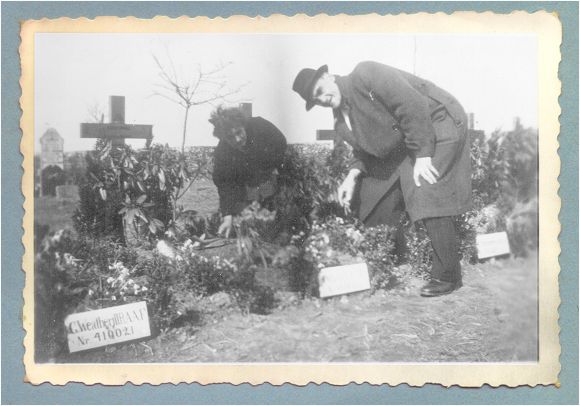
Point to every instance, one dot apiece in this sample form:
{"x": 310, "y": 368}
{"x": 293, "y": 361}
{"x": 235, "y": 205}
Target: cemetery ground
{"x": 492, "y": 318}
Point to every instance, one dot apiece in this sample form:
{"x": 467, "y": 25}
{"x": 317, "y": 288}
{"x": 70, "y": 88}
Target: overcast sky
{"x": 493, "y": 76}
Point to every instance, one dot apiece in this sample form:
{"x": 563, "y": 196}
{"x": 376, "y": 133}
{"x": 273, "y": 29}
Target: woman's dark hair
{"x": 224, "y": 119}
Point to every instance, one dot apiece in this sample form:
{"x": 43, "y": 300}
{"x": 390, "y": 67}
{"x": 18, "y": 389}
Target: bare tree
{"x": 195, "y": 89}
{"x": 96, "y": 114}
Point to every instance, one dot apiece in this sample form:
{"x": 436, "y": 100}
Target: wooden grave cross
{"x": 117, "y": 131}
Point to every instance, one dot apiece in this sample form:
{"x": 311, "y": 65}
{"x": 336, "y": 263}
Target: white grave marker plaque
{"x": 492, "y": 245}
{"x": 102, "y": 327}
{"x": 339, "y": 280}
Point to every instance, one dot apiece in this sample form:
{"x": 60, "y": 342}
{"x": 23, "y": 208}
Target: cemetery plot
{"x": 488, "y": 320}
{"x": 296, "y": 281}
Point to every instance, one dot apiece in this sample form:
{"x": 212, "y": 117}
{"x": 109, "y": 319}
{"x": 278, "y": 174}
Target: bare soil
{"x": 492, "y": 318}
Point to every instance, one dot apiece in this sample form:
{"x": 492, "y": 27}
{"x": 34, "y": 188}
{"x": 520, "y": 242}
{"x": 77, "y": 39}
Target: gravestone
{"x": 52, "y": 157}
{"x": 51, "y": 177}
{"x": 117, "y": 131}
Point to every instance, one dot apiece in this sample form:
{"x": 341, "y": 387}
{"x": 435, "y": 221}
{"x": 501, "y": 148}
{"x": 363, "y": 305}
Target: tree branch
{"x": 200, "y": 87}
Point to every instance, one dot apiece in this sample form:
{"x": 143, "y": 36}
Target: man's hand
{"x": 423, "y": 168}
{"x": 347, "y": 188}
{"x": 226, "y": 226}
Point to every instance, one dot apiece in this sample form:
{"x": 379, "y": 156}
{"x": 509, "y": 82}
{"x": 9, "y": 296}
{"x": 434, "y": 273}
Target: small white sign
{"x": 339, "y": 280}
{"x": 111, "y": 325}
{"x": 492, "y": 245}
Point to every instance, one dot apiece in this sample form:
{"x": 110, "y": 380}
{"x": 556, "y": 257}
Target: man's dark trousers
{"x": 443, "y": 235}
{"x": 441, "y": 231}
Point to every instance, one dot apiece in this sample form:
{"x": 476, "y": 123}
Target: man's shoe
{"x": 438, "y": 288}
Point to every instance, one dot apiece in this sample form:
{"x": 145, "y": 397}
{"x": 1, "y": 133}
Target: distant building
{"x": 51, "y": 151}
{"x": 51, "y": 162}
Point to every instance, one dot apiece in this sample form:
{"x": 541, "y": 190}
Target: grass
{"x": 54, "y": 212}
{"x": 202, "y": 196}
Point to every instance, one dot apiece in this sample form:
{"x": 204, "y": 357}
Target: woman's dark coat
{"x": 395, "y": 118}
{"x": 234, "y": 171}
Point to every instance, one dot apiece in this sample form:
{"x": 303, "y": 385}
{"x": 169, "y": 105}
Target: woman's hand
{"x": 347, "y": 188}
{"x": 226, "y": 226}
{"x": 423, "y": 168}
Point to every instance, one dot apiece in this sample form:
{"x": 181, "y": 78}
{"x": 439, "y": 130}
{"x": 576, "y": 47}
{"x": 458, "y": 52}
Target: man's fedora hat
{"x": 305, "y": 81}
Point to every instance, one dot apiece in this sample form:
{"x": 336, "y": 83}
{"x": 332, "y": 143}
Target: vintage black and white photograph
{"x": 286, "y": 197}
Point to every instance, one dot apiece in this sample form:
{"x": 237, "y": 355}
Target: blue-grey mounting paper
{"x": 24, "y": 393}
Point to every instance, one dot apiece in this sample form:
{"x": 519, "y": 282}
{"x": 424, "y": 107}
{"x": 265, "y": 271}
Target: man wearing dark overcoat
{"x": 409, "y": 140}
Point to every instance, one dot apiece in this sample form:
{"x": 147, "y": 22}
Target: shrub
{"x": 199, "y": 162}
{"x": 253, "y": 227}
{"x": 378, "y": 251}
{"x": 308, "y": 181}
{"x": 71, "y": 274}
{"x": 333, "y": 242}
{"x": 74, "y": 274}
{"x": 505, "y": 181}
{"x": 189, "y": 224}
{"x": 126, "y": 189}
{"x": 57, "y": 293}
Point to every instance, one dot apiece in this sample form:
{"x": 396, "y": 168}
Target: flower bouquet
{"x": 334, "y": 249}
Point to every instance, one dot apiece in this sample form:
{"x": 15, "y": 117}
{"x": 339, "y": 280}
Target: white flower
{"x": 166, "y": 249}
{"x": 69, "y": 259}
{"x": 117, "y": 266}
{"x": 187, "y": 244}
{"x": 110, "y": 280}
{"x": 228, "y": 263}
{"x": 144, "y": 289}
{"x": 57, "y": 236}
